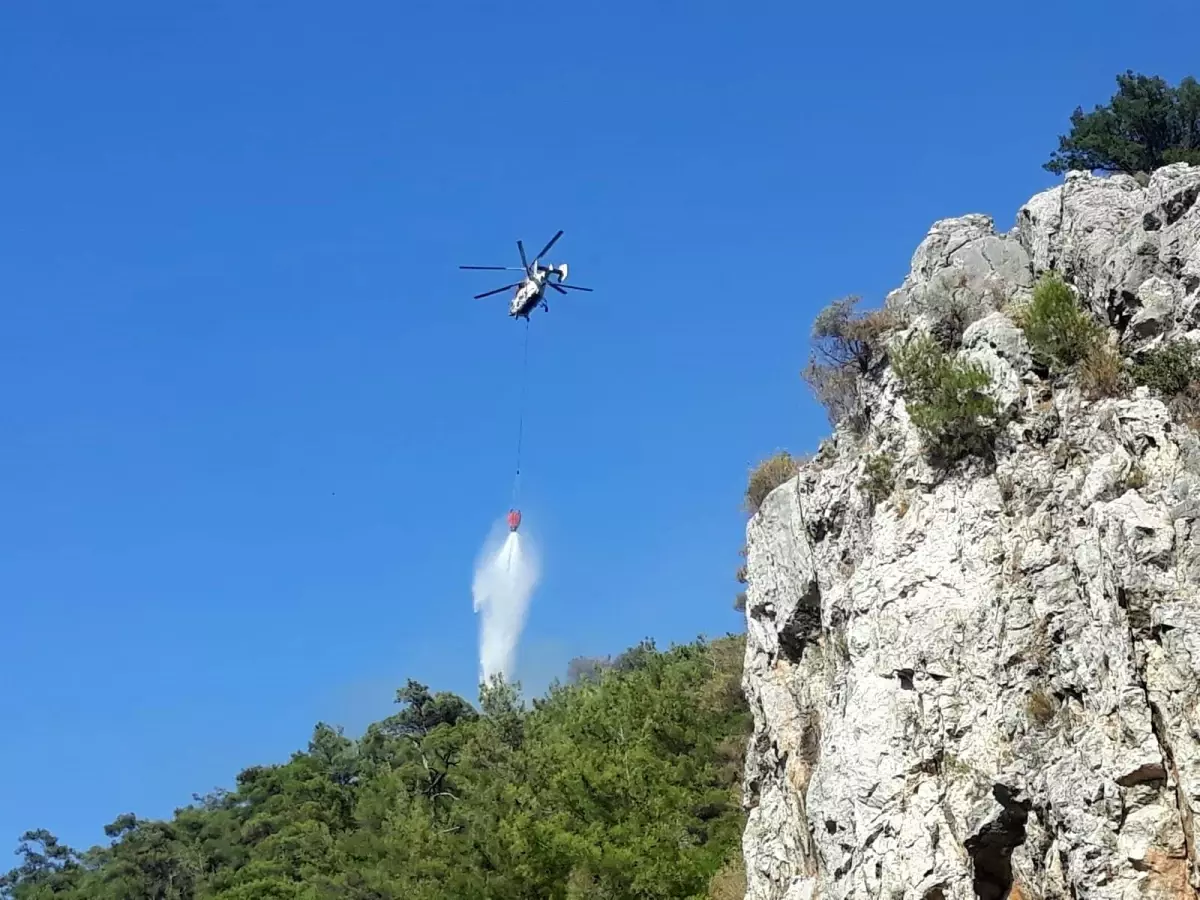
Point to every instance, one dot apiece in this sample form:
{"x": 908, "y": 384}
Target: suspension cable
{"x": 521, "y": 416}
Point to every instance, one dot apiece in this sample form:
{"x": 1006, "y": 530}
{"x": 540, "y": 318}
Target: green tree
{"x": 150, "y": 861}
{"x": 425, "y": 711}
{"x": 1061, "y": 333}
{"x": 947, "y": 401}
{"x": 48, "y": 868}
{"x": 1146, "y": 124}
{"x": 500, "y": 702}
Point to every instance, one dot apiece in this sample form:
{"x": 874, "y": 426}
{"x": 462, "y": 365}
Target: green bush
{"x": 878, "y": 478}
{"x": 946, "y": 401}
{"x": 1173, "y": 371}
{"x": 766, "y": 476}
{"x": 1169, "y": 369}
{"x": 1060, "y": 333}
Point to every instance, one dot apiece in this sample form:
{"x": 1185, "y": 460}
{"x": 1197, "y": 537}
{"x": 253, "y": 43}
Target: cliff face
{"x": 987, "y": 684}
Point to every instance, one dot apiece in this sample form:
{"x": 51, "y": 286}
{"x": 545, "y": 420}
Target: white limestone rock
{"x": 988, "y": 684}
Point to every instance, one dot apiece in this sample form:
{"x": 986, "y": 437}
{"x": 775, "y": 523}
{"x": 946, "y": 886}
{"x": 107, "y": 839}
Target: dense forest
{"x": 623, "y": 782}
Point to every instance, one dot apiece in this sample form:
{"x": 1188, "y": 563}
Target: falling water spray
{"x": 506, "y": 572}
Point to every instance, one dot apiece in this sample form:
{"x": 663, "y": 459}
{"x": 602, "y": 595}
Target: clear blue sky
{"x": 255, "y": 427}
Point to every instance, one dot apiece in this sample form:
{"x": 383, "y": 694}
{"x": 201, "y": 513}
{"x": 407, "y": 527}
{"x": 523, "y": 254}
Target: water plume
{"x": 506, "y": 572}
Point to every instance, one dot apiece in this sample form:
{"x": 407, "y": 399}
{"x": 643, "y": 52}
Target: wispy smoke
{"x": 506, "y": 573}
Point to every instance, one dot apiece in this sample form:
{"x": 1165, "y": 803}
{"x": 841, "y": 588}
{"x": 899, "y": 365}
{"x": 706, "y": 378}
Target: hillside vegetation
{"x": 625, "y": 783}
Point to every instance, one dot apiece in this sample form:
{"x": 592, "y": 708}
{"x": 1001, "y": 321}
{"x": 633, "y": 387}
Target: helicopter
{"x": 531, "y": 290}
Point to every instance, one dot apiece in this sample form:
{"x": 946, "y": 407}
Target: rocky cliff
{"x": 983, "y": 679}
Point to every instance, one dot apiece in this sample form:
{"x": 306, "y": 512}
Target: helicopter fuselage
{"x": 528, "y": 295}
{"x": 532, "y": 291}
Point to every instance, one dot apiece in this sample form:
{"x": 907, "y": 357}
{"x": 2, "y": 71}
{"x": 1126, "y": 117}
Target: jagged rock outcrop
{"x": 987, "y": 684}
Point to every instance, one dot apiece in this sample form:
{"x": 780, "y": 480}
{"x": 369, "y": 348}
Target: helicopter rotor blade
{"x": 521, "y": 250}
{"x": 497, "y": 290}
{"x": 496, "y": 268}
{"x": 555, "y": 286}
{"x": 572, "y": 287}
{"x": 546, "y": 249}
